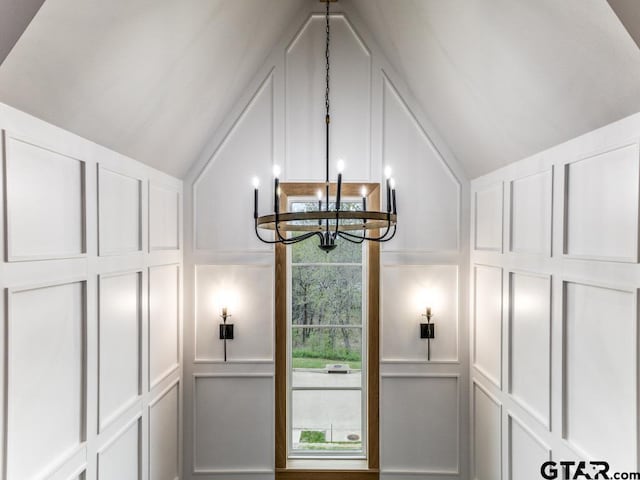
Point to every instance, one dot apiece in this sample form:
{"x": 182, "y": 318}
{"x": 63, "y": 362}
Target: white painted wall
{"x": 554, "y": 311}
{"x": 229, "y": 407}
{"x": 91, "y": 282}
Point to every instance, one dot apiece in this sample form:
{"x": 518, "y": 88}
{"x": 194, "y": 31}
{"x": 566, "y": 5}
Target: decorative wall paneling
{"x": 435, "y": 442}
{"x": 279, "y": 120}
{"x": 246, "y": 397}
{"x": 569, "y": 303}
{"x": 75, "y": 274}
{"x": 251, "y": 304}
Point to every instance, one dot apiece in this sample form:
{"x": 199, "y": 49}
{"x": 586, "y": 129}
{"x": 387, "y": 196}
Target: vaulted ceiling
{"x": 499, "y": 79}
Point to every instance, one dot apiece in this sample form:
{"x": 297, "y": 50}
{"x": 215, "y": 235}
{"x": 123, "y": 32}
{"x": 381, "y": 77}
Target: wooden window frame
{"x": 373, "y": 350}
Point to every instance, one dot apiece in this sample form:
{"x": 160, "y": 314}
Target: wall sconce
{"x": 428, "y": 330}
{"x": 226, "y": 330}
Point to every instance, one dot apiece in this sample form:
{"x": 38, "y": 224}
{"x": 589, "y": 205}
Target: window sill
{"x": 327, "y": 464}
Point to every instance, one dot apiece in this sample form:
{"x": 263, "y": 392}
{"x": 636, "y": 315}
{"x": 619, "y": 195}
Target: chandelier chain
{"x": 326, "y": 56}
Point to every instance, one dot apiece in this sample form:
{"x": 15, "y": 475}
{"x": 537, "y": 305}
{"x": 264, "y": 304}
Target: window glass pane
{"x": 326, "y": 295}
{"x": 326, "y": 420}
{"x": 313, "y": 347}
{"x": 326, "y": 357}
{"x": 326, "y": 345}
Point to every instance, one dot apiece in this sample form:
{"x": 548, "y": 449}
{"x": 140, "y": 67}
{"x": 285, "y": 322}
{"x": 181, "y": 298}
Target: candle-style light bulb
{"x": 392, "y": 183}
{"x": 223, "y": 311}
{"x": 276, "y": 171}
{"x": 340, "y": 165}
{"x": 255, "y": 181}
{"x": 363, "y": 194}
{"x": 387, "y": 172}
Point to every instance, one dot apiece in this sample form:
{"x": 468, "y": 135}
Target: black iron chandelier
{"x": 327, "y": 223}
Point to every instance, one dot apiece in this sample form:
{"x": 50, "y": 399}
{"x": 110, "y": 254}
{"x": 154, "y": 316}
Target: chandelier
{"x": 328, "y": 223}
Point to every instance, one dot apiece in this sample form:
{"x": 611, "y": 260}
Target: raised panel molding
{"x": 74, "y": 361}
{"x": 530, "y": 343}
{"x": 45, "y": 359}
{"x": 223, "y": 403}
{"x": 249, "y": 291}
{"x": 530, "y": 217}
{"x": 350, "y": 102}
{"x": 487, "y": 435}
{"x": 601, "y": 205}
{"x": 526, "y": 453}
{"x": 49, "y": 222}
{"x": 164, "y": 322}
{"x": 226, "y": 226}
{"x": 421, "y": 173}
{"x": 487, "y": 322}
{"x": 164, "y": 431}
{"x": 119, "y": 344}
{"x": 601, "y": 372}
{"x": 488, "y": 218}
{"x": 435, "y": 444}
{"x": 119, "y": 213}
{"x": 164, "y": 218}
{"x": 404, "y": 290}
{"x": 121, "y": 459}
{"x": 571, "y": 363}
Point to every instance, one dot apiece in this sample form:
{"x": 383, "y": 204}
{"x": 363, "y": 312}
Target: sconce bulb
{"x": 319, "y": 194}
{"x": 392, "y": 183}
{"x": 363, "y": 191}
{"x": 387, "y": 172}
{"x": 256, "y": 182}
{"x": 276, "y": 171}
{"x": 340, "y": 165}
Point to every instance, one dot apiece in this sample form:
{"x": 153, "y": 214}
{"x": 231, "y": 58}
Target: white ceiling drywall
{"x": 504, "y": 79}
{"x": 15, "y": 15}
{"x": 148, "y": 78}
{"x": 153, "y": 79}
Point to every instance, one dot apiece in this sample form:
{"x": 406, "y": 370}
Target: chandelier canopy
{"x": 329, "y": 222}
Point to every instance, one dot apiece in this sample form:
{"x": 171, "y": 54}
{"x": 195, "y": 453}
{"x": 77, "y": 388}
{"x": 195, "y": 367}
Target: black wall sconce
{"x": 428, "y": 330}
{"x": 226, "y": 330}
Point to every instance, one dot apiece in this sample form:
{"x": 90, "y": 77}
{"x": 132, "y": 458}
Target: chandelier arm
{"x": 277, "y": 230}
{"x": 300, "y": 238}
{"x": 381, "y": 238}
{"x": 348, "y": 239}
{"x": 285, "y": 241}
{"x": 269, "y": 242}
{"x": 386, "y": 236}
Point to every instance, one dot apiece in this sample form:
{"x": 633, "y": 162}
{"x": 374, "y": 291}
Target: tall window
{"x": 327, "y": 334}
{"x": 327, "y": 347}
